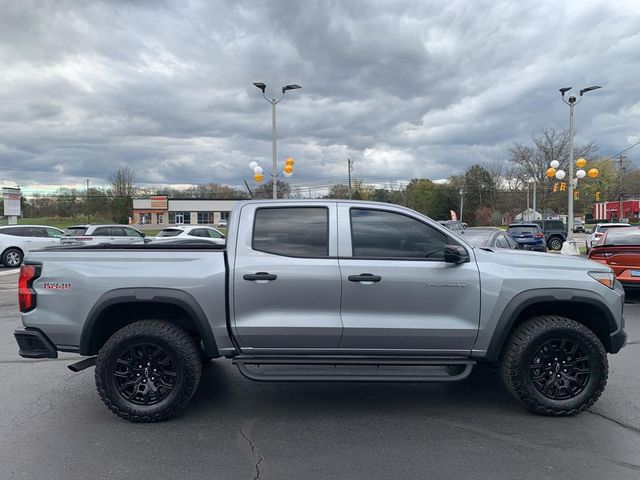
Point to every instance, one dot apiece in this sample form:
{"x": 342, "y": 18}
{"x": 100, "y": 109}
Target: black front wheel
{"x": 554, "y": 366}
{"x": 148, "y": 371}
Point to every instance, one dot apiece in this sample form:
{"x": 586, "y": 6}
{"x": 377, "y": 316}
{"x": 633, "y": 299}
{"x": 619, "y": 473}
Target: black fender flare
{"x": 528, "y": 298}
{"x": 170, "y": 296}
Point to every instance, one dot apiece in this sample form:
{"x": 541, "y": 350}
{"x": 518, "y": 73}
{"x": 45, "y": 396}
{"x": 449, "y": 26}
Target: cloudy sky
{"x": 404, "y": 88}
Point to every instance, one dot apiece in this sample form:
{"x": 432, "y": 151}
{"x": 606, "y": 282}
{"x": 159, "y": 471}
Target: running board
{"x": 298, "y": 368}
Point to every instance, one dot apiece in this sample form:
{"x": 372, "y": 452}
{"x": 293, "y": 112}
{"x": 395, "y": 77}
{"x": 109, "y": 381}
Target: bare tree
{"x": 121, "y": 191}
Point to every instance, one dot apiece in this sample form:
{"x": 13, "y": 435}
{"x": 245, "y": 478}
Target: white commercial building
{"x": 161, "y": 210}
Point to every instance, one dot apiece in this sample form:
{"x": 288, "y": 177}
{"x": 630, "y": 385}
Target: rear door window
{"x": 292, "y": 231}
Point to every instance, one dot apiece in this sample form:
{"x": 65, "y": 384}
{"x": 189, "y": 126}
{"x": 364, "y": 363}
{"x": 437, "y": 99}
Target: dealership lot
{"x": 53, "y": 426}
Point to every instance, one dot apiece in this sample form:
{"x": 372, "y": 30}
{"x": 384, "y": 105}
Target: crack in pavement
{"x": 617, "y": 422}
{"x": 255, "y": 453}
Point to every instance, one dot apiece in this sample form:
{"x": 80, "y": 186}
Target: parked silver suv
{"x": 97, "y": 234}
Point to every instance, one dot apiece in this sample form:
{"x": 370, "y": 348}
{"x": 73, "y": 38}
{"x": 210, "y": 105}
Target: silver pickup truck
{"x": 322, "y": 291}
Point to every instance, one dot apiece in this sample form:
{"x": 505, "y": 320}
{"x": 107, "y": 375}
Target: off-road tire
{"x": 555, "y": 243}
{"x": 176, "y": 342}
{"x": 12, "y": 258}
{"x": 521, "y": 349}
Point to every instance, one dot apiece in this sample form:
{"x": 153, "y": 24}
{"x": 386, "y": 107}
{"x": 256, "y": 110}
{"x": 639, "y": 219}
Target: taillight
{"x": 600, "y": 255}
{"x": 26, "y": 294}
{"x": 538, "y": 235}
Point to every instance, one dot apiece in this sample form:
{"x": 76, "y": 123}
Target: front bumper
{"x": 34, "y": 344}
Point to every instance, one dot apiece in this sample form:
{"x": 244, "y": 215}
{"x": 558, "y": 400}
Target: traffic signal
{"x": 555, "y": 187}
{"x": 598, "y": 196}
{"x": 563, "y": 186}
{"x": 288, "y": 167}
{"x": 576, "y": 195}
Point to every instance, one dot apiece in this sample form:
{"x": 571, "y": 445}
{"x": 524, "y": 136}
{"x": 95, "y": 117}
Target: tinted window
{"x": 512, "y": 243}
{"x": 621, "y": 237}
{"x": 102, "y": 232}
{"x": 501, "y": 242}
{"x": 214, "y": 233}
{"x": 522, "y": 230}
{"x": 169, "y": 232}
{"x": 130, "y": 232}
{"x": 52, "y": 232}
{"x": 556, "y": 224}
{"x": 198, "y": 232}
{"x": 75, "y": 231}
{"x": 382, "y": 234}
{"x": 15, "y": 231}
{"x": 293, "y": 231}
{"x": 36, "y": 232}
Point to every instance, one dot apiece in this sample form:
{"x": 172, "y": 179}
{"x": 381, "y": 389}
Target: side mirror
{"x": 455, "y": 254}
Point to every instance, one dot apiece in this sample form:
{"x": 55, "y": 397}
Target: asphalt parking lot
{"x": 53, "y": 426}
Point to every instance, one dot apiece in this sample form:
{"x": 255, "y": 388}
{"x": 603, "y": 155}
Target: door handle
{"x": 365, "y": 277}
{"x": 259, "y": 276}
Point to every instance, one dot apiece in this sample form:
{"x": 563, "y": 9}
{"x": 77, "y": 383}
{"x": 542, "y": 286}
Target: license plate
{"x": 635, "y": 273}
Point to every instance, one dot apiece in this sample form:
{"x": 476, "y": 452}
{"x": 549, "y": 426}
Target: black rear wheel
{"x": 148, "y": 371}
{"x": 555, "y": 243}
{"x": 554, "y": 366}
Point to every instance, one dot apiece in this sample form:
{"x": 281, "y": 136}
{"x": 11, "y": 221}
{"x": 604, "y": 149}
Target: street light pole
{"x": 273, "y": 103}
{"x": 572, "y": 102}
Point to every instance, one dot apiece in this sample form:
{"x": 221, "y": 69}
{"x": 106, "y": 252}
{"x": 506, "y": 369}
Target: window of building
{"x": 205, "y": 218}
{"x": 144, "y": 218}
{"x": 160, "y": 218}
{"x": 380, "y": 234}
{"x": 292, "y": 231}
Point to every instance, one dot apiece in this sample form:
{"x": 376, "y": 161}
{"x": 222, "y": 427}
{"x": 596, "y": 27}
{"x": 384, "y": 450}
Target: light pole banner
{"x": 11, "y": 201}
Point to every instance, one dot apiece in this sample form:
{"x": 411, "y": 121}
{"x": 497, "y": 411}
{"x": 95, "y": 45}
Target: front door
{"x": 398, "y": 293}
{"x": 286, "y": 279}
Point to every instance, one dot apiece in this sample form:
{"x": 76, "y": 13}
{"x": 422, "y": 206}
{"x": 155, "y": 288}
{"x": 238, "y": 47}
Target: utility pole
{"x": 87, "y": 203}
{"x": 621, "y": 172}
{"x": 461, "y": 202}
{"x": 349, "y": 168}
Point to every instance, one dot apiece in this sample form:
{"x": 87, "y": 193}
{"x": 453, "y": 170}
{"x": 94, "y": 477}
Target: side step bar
{"x": 295, "y": 368}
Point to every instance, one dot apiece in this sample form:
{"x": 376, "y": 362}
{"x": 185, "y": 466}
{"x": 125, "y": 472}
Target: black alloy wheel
{"x": 145, "y": 374}
{"x": 560, "y": 369}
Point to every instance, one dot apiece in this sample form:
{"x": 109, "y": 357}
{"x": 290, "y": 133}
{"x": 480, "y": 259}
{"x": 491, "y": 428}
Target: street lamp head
{"x": 290, "y": 87}
{"x": 588, "y": 89}
{"x": 261, "y": 86}
{"x": 564, "y": 90}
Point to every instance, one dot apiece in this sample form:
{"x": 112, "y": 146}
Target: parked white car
{"x": 598, "y": 231}
{"x": 16, "y": 240}
{"x": 191, "y": 231}
{"x": 97, "y": 234}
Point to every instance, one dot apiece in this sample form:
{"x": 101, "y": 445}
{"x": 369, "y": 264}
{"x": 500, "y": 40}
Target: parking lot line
{"x": 8, "y": 272}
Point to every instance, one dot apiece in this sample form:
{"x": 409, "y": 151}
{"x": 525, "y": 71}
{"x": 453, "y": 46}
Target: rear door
{"x": 285, "y": 278}
{"x": 398, "y": 293}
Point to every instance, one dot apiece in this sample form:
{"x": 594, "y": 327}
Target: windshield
{"x": 476, "y": 238}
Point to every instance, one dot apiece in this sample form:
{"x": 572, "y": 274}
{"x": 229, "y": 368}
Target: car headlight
{"x": 605, "y": 278}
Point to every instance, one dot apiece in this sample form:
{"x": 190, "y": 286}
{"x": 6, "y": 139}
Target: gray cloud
{"x": 403, "y": 88}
